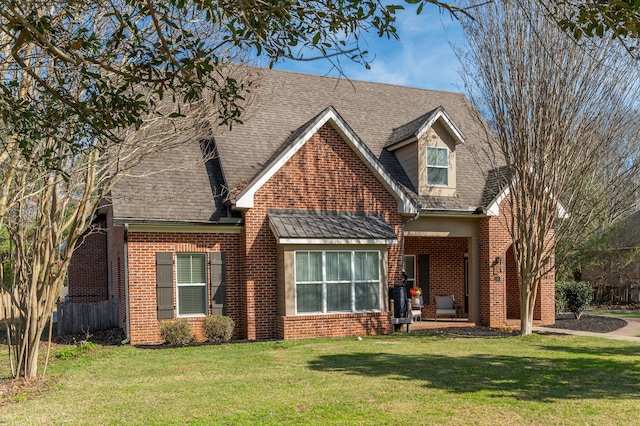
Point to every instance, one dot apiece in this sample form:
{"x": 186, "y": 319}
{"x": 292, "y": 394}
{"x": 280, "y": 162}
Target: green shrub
{"x": 218, "y": 328}
{"x": 574, "y": 296}
{"x": 561, "y": 296}
{"x": 176, "y": 332}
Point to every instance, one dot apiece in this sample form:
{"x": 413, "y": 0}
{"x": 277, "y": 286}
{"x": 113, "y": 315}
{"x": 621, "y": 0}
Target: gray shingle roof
{"x": 281, "y": 104}
{"x": 409, "y": 129}
{"x": 298, "y": 224}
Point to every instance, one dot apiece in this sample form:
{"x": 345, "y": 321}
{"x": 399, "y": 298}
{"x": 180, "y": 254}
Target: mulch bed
{"x": 477, "y": 331}
{"x": 566, "y": 321}
{"x": 593, "y": 323}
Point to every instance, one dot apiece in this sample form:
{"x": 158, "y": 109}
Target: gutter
{"x": 404, "y": 222}
{"x": 126, "y": 288}
{"x": 471, "y": 212}
{"x": 228, "y": 221}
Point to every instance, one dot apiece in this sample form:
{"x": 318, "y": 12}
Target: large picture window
{"x": 191, "y": 284}
{"x": 337, "y": 281}
{"x": 437, "y": 166}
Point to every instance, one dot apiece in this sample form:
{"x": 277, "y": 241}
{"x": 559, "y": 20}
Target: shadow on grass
{"x": 546, "y": 378}
{"x": 598, "y": 351}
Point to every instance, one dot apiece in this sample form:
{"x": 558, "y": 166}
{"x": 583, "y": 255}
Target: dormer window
{"x": 437, "y": 166}
{"x": 426, "y": 149}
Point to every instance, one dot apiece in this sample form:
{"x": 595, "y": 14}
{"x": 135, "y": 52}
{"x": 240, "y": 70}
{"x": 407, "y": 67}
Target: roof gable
{"x": 415, "y": 129}
{"x": 245, "y": 199}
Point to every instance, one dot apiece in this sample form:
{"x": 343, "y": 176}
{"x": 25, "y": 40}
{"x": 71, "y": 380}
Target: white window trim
{"x": 324, "y": 282}
{"x": 205, "y": 284}
{"x": 414, "y": 268}
{"x": 437, "y": 167}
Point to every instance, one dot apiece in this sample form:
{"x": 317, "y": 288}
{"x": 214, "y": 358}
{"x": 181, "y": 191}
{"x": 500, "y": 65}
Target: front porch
{"x": 471, "y": 259}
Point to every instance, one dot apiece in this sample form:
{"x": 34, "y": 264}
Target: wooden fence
{"x": 6, "y": 307}
{"x": 622, "y": 294}
{"x": 86, "y": 317}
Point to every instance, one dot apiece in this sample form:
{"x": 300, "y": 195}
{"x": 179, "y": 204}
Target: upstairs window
{"x": 437, "y": 166}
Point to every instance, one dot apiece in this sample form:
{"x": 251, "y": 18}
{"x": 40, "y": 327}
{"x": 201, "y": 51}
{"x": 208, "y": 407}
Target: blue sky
{"x": 421, "y": 58}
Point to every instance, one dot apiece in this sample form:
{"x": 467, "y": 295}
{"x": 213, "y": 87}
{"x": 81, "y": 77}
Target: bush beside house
{"x": 176, "y": 332}
{"x": 218, "y": 328}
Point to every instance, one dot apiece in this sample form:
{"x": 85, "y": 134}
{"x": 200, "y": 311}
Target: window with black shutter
{"x": 218, "y": 283}
{"x": 164, "y": 284}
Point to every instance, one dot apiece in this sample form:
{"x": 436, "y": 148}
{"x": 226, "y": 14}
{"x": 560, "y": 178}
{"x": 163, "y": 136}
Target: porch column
{"x": 474, "y": 279}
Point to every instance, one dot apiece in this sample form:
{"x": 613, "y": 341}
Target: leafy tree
{"x": 561, "y": 113}
{"x": 90, "y": 88}
{"x": 619, "y": 20}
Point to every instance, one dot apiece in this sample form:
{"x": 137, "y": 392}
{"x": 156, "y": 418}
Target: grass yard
{"x": 622, "y": 313}
{"x": 397, "y": 379}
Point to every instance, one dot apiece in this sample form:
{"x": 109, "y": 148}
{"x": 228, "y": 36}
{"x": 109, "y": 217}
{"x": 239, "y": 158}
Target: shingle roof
{"x": 282, "y": 103}
{"x": 409, "y": 129}
{"x": 298, "y": 224}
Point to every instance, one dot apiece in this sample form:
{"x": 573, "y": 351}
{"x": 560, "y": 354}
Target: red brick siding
{"x": 325, "y": 174}
{"x": 446, "y": 268}
{"x": 142, "y": 248}
{"x": 334, "y": 325}
{"x": 545, "y": 309}
{"x": 512, "y": 286}
{"x": 88, "y": 268}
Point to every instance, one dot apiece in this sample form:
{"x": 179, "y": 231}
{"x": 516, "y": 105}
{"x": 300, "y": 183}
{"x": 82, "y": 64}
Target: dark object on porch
{"x": 401, "y": 307}
{"x": 445, "y": 306}
{"x": 399, "y": 296}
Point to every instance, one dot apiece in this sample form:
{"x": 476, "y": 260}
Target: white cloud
{"x": 421, "y": 58}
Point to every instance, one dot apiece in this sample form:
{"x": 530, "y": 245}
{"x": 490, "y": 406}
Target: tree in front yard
{"x": 561, "y": 112}
{"x": 90, "y": 88}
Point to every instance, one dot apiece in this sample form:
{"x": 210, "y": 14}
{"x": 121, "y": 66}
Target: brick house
{"x": 307, "y": 214}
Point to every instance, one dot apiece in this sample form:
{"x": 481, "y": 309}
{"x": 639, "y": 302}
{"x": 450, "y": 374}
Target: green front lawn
{"x": 398, "y": 379}
{"x": 621, "y": 313}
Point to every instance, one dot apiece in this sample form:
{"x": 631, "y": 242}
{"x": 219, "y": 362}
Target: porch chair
{"x": 416, "y": 308}
{"x": 445, "y": 306}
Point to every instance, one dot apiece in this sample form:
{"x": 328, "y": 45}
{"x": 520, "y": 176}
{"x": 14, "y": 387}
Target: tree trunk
{"x": 526, "y": 314}
{"x": 31, "y": 362}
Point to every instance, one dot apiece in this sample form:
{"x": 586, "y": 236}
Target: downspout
{"x": 402, "y": 234}
{"x": 127, "y": 321}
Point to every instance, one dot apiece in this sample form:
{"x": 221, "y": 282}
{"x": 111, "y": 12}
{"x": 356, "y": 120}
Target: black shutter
{"x": 423, "y": 277}
{"x": 164, "y": 284}
{"x": 218, "y": 284}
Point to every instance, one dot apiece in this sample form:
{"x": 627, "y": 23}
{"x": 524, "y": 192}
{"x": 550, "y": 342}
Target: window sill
{"x": 330, "y": 314}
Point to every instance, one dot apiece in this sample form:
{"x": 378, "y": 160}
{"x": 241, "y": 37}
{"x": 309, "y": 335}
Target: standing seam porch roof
{"x": 321, "y": 225}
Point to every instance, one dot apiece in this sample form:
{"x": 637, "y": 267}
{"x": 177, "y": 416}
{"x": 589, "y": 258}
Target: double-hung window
{"x": 437, "y": 166}
{"x": 337, "y": 281}
{"x": 191, "y": 284}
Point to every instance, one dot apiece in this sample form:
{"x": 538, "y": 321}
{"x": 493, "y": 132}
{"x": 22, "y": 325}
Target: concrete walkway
{"x": 628, "y": 332}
